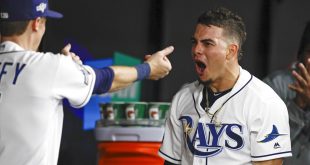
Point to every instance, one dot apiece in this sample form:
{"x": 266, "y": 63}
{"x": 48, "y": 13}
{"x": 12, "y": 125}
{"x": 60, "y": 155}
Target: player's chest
{"x": 208, "y": 135}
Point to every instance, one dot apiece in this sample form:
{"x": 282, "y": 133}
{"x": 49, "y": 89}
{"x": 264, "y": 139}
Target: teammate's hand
{"x": 302, "y": 85}
{"x": 159, "y": 63}
{"x": 66, "y": 51}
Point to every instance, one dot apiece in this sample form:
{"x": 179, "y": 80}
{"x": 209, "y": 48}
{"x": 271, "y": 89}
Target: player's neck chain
{"x": 212, "y": 99}
{"x": 213, "y": 116}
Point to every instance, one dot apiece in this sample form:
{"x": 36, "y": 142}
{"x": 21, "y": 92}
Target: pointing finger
{"x": 168, "y": 50}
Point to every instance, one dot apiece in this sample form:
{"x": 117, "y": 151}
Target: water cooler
{"x": 123, "y": 141}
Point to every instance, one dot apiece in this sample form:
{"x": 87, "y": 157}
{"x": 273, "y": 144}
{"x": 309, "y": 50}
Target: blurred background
{"x": 140, "y": 27}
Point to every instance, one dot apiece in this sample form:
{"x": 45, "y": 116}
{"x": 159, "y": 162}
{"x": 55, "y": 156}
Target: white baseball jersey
{"x": 251, "y": 124}
{"x": 32, "y": 86}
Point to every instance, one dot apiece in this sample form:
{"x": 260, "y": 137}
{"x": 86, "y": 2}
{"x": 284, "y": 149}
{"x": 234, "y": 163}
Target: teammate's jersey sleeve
{"x": 269, "y": 131}
{"x": 171, "y": 147}
{"x": 74, "y": 82}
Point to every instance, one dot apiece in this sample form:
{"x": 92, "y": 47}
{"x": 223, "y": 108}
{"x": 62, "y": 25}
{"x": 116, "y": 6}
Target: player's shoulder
{"x": 263, "y": 94}
{"x": 47, "y": 57}
{"x": 256, "y": 89}
{"x": 33, "y": 55}
{"x": 188, "y": 88}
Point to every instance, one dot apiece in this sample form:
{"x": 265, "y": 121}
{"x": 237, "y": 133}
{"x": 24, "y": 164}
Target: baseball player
{"x": 33, "y": 84}
{"x": 228, "y": 116}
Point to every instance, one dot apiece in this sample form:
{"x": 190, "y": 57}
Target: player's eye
{"x": 193, "y": 41}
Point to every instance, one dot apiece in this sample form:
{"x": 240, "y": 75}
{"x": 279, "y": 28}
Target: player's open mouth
{"x": 200, "y": 67}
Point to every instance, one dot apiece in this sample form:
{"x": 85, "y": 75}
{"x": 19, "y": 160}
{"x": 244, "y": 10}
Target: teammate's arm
{"x": 155, "y": 67}
{"x": 269, "y": 162}
{"x": 113, "y": 78}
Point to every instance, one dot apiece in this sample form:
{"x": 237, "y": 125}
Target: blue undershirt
{"x": 104, "y": 79}
{"x": 105, "y": 76}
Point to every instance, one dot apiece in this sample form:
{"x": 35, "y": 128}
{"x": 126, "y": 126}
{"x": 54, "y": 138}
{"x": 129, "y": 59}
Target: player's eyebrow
{"x": 207, "y": 40}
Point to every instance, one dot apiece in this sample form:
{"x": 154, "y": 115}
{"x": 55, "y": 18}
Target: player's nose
{"x": 197, "y": 49}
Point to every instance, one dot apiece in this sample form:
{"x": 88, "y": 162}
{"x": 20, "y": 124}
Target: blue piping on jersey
{"x": 232, "y": 96}
{"x": 285, "y": 152}
{"x": 169, "y": 156}
{"x": 195, "y": 105}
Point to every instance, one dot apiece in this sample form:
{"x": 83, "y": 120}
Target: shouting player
{"x": 33, "y": 84}
{"x": 228, "y": 115}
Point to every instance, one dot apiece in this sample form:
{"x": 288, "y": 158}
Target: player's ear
{"x": 36, "y": 23}
{"x": 232, "y": 51}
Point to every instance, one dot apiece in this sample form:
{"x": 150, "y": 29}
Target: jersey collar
{"x": 242, "y": 81}
{"x": 9, "y": 46}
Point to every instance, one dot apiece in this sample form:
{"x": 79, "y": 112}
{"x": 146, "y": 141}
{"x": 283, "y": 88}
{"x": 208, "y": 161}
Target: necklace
{"x": 213, "y": 116}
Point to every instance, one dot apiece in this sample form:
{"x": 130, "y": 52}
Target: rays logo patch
{"x": 273, "y": 135}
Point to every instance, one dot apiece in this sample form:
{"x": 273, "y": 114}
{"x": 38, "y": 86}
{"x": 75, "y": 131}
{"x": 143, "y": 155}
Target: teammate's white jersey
{"x": 252, "y": 125}
{"x": 32, "y": 86}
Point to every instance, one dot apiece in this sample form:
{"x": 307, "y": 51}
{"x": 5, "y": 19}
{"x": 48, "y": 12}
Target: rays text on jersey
{"x": 7, "y": 67}
{"x": 206, "y": 138}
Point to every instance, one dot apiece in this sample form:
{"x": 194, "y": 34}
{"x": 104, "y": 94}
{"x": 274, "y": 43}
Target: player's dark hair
{"x": 8, "y": 28}
{"x": 232, "y": 24}
{"x": 304, "y": 45}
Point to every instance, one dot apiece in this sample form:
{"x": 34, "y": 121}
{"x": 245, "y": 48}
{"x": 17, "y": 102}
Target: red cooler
{"x": 129, "y": 145}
